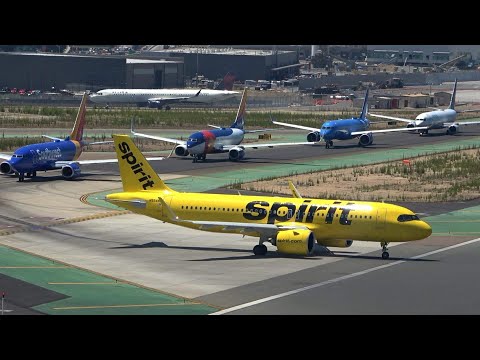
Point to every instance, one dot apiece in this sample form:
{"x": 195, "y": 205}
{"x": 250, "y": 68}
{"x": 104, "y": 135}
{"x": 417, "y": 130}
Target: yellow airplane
{"x": 293, "y": 224}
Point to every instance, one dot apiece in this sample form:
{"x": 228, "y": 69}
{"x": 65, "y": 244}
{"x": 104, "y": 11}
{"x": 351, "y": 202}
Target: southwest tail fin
{"x": 135, "y": 171}
{"x": 240, "y": 119}
{"x": 365, "y": 106}
{"x": 77, "y": 131}
{"x": 452, "y": 99}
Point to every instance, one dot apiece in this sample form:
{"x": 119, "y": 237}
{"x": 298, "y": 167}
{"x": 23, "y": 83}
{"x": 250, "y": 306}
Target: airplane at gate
{"x": 293, "y": 224}
{"x": 437, "y": 119}
{"x": 220, "y": 140}
{"x": 345, "y": 129}
{"x": 57, "y": 154}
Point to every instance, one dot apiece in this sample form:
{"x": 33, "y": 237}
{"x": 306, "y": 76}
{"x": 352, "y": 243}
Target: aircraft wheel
{"x": 167, "y": 107}
{"x": 34, "y": 174}
{"x": 29, "y": 174}
{"x": 385, "y": 255}
{"x": 331, "y": 143}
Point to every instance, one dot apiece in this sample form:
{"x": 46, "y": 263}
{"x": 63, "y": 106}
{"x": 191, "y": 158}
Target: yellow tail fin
{"x": 135, "y": 171}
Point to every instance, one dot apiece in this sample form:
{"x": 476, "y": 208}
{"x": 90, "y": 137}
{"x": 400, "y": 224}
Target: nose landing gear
{"x": 385, "y": 254}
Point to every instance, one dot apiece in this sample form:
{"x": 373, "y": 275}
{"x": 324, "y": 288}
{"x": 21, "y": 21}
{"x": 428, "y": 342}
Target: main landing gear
{"x": 199, "y": 157}
{"x": 260, "y": 249}
{"x": 385, "y": 254}
{"x": 328, "y": 144}
{"x": 21, "y": 176}
{"x": 423, "y": 132}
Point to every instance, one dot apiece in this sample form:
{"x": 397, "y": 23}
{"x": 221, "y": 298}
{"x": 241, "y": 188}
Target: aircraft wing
{"x": 169, "y": 100}
{"x": 99, "y": 142}
{"x": 261, "y": 229}
{"x": 465, "y": 111}
{"x": 52, "y": 138}
{"x": 215, "y": 126}
{"x": 391, "y": 117}
{"x": 59, "y": 164}
{"x": 295, "y": 126}
{"x": 462, "y": 123}
{"x": 354, "y": 133}
{"x": 5, "y": 156}
{"x": 174, "y": 141}
{"x": 262, "y": 145}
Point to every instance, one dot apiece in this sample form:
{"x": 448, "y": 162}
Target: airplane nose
{"x": 425, "y": 230}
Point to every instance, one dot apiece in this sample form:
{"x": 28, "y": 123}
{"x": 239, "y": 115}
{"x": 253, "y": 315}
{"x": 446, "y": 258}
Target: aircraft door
{"x": 381, "y": 218}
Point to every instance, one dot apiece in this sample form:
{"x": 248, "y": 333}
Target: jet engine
{"x": 452, "y": 129}
{"x": 6, "y": 168}
{"x": 236, "y": 153}
{"x": 365, "y": 139}
{"x": 336, "y": 243}
{"x": 295, "y": 242}
{"x": 70, "y": 171}
{"x": 181, "y": 150}
{"x": 314, "y": 136}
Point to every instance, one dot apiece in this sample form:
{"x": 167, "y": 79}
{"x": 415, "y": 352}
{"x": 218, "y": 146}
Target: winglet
{"x": 132, "y": 126}
{"x": 198, "y": 93}
{"x": 294, "y": 190}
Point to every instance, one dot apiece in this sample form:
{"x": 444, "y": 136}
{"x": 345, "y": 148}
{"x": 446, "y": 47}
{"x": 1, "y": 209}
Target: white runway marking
{"x": 288, "y": 293}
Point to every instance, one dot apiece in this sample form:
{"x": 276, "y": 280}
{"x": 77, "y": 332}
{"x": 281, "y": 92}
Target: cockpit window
{"x": 403, "y": 218}
{"x": 326, "y": 127}
{"x": 192, "y": 140}
{"x": 17, "y": 156}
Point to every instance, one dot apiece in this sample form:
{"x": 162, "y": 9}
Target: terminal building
{"x": 43, "y": 71}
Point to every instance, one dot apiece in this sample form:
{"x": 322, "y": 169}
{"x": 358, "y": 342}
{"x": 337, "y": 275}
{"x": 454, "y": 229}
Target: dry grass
{"x": 438, "y": 177}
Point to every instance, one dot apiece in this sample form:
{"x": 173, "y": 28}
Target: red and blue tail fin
{"x": 77, "y": 131}
{"x": 240, "y": 119}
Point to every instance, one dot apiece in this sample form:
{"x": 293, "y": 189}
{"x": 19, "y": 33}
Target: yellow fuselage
{"x": 327, "y": 219}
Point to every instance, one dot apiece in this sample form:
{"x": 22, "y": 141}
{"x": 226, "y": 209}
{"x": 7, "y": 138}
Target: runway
{"x": 46, "y": 216}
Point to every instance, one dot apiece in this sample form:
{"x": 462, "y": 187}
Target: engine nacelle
{"x": 365, "y": 139}
{"x": 336, "y": 243}
{"x": 236, "y": 153}
{"x": 314, "y": 136}
{"x": 70, "y": 171}
{"x": 452, "y": 129}
{"x": 181, "y": 150}
{"x": 6, "y": 168}
{"x": 153, "y": 104}
{"x": 295, "y": 242}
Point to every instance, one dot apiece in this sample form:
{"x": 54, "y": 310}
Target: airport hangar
{"x": 247, "y": 64}
{"x": 88, "y": 72}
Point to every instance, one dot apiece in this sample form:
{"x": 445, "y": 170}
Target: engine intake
{"x": 337, "y": 243}
{"x": 295, "y": 242}
{"x": 365, "y": 139}
{"x": 314, "y": 136}
{"x": 70, "y": 171}
{"x": 6, "y": 168}
{"x": 181, "y": 150}
{"x": 236, "y": 154}
{"x": 452, "y": 129}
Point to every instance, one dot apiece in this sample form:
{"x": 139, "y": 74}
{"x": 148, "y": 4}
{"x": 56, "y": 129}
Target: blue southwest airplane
{"x": 57, "y": 154}
{"x": 220, "y": 140}
{"x": 345, "y": 129}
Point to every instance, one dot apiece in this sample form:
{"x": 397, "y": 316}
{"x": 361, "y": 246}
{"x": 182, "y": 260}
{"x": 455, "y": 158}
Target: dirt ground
{"x": 368, "y": 184}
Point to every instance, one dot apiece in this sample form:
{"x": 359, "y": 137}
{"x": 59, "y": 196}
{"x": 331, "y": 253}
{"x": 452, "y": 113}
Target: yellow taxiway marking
{"x": 84, "y": 283}
{"x": 120, "y": 306}
{"x": 34, "y": 267}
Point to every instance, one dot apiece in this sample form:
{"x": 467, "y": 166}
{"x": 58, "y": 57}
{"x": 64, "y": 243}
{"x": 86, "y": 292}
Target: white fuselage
{"x": 144, "y": 95}
{"x": 436, "y": 119}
